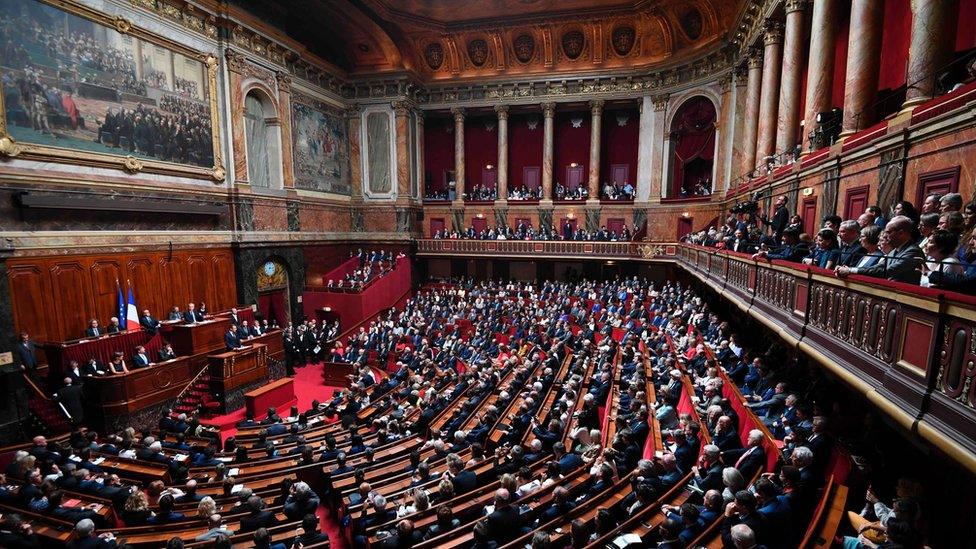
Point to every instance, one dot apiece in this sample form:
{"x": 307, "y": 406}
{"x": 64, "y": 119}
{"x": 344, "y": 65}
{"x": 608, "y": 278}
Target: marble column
{"x": 284, "y": 114}
{"x": 794, "y": 55}
{"x": 596, "y": 124}
{"x": 928, "y": 47}
{"x": 645, "y": 145}
{"x": 401, "y": 113}
{"x": 421, "y": 167}
{"x": 548, "y": 113}
{"x": 738, "y": 123}
{"x": 502, "y": 111}
{"x": 354, "y": 119}
{"x": 724, "y": 123}
{"x": 658, "y": 135}
{"x": 769, "y": 102}
{"x": 750, "y": 129}
{"x": 863, "y": 57}
{"x": 820, "y": 69}
{"x": 459, "y": 187}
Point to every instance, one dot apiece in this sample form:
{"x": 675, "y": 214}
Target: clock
{"x": 270, "y": 268}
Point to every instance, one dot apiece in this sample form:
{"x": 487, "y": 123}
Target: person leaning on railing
{"x": 902, "y": 264}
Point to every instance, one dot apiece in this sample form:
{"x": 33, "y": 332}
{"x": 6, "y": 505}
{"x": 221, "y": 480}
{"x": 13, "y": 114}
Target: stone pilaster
{"x": 421, "y": 165}
{"x": 769, "y": 102}
{"x": 354, "y": 121}
{"x": 401, "y": 112}
{"x": 596, "y": 123}
{"x": 724, "y": 131}
{"x": 738, "y": 123}
{"x": 660, "y": 104}
{"x": 794, "y": 55}
{"x": 284, "y": 114}
{"x": 645, "y": 145}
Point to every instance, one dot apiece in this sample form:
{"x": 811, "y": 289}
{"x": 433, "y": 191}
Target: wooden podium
{"x": 234, "y": 369}
{"x": 200, "y": 337}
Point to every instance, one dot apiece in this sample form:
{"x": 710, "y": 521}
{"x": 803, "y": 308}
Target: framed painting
{"x": 319, "y": 146}
{"x": 83, "y": 87}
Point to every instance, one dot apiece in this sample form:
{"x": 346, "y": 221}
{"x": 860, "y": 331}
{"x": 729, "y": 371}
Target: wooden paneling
{"x": 54, "y": 297}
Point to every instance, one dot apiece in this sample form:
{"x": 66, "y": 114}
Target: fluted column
{"x": 502, "y": 111}
{"x": 459, "y": 187}
{"x": 794, "y": 51}
{"x": 820, "y": 70}
{"x": 596, "y": 118}
{"x": 769, "y": 102}
{"x": 548, "y": 113}
{"x": 927, "y": 50}
{"x": 750, "y": 131}
{"x": 863, "y": 56}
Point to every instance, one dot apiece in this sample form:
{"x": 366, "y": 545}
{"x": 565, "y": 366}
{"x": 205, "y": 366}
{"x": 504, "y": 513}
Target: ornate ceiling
{"x": 449, "y": 40}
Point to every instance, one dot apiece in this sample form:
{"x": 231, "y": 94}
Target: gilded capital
{"x": 596, "y": 106}
{"x": 284, "y": 81}
{"x": 458, "y": 113}
{"x": 756, "y": 59}
{"x": 725, "y": 82}
{"x": 502, "y": 111}
{"x": 660, "y": 102}
{"x": 773, "y": 34}
{"x": 401, "y": 108}
{"x": 795, "y": 5}
{"x": 548, "y": 109}
{"x": 235, "y": 61}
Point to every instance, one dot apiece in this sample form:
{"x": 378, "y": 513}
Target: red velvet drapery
{"x": 693, "y": 138}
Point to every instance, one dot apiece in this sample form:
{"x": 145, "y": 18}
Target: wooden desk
{"x": 202, "y": 337}
{"x": 235, "y": 369}
{"x": 274, "y": 394}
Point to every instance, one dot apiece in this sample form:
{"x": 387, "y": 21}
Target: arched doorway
{"x": 692, "y": 136}
{"x": 274, "y": 300}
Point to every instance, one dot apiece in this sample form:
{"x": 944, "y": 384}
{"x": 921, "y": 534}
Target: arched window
{"x": 692, "y": 136}
{"x": 263, "y": 138}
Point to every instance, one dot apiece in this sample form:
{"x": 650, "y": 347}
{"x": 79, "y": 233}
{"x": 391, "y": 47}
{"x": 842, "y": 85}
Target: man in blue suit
{"x": 231, "y": 340}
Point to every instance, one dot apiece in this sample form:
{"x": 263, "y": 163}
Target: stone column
{"x": 645, "y": 147}
{"x": 724, "y": 126}
{"x": 459, "y": 178}
{"x": 658, "y": 133}
{"x": 548, "y": 113}
{"x": 927, "y": 50}
{"x": 738, "y": 124}
{"x": 750, "y": 130}
{"x": 284, "y": 114}
{"x": 354, "y": 120}
{"x": 863, "y": 56}
{"x": 421, "y": 167}
{"x": 596, "y": 123}
{"x": 820, "y": 69}
{"x": 502, "y": 111}
{"x": 401, "y": 113}
{"x": 769, "y": 102}
{"x": 794, "y": 53}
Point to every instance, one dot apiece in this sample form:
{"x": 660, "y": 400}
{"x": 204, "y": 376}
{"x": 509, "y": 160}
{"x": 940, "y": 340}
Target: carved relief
{"x": 434, "y": 55}
{"x": 623, "y": 39}
{"x": 524, "y": 46}
{"x": 573, "y": 43}
{"x": 478, "y": 52}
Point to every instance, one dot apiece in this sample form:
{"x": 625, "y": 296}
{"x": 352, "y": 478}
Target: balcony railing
{"x": 908, "y": 349}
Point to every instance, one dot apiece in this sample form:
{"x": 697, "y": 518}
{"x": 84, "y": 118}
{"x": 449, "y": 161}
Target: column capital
{"x": 420, "y": 116}
{"x": 725, "y": 82}
{"x": 795, "y": 5}
{"x": 740, "y": 75}
{"x": 773, "y": 33}
{"x": 284, "y": 81}
{"x": 548, "y": 109}
{"x": 755, "y": 58}
{"x": 458, "y": 113}
{"x": 660, "y": 102}
{"x": 353, "y": 112}
{"x": 502, "y": 111}
{"x": 235, "y": 61}
{"x": 401, "y": 108}
{"x": 596, "y": 106}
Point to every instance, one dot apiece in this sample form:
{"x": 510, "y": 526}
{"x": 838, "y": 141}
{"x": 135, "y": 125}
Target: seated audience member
{"x": 148, "y": 323}
{"x": 902, "y": 264}
{"x": 826, "y": 254}
{"x": 141, "y": 358}
{"x": 940, "y": 257}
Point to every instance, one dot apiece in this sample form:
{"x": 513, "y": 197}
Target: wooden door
{"x": 619, "y": 174}
{"x": 436, "y": 224}
{"x": 855, "y": 202}
{"x": 684, "y": 226}
{"x": 938, "y": 181}
{"x": 531, "y": 177}
{"x": 809, "y": 215}
{"x": 574, "y": 177}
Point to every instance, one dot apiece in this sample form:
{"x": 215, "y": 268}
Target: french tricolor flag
{"x": 131, "y": 314}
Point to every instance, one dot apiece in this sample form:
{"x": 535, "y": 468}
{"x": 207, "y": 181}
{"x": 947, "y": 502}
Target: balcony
{"x": 910, "y": 350}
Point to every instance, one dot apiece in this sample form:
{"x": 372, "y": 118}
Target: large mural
{"x": 80, "y": 85}
{"x": 320, "y": 145}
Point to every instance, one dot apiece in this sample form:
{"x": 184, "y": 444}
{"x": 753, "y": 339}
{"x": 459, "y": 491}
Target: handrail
{"x": 179, "y": 397}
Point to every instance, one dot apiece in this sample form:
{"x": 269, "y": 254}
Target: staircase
{"x": 44, "y": 415}
{"x": 197, "y": 396}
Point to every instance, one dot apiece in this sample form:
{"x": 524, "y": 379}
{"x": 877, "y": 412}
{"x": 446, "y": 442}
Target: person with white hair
{"x": 85, "y": 537}
{"x": 743, "y": 537}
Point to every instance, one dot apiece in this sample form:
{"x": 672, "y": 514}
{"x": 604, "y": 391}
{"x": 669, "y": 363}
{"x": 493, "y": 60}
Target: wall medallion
{"x": 691, "y": 22}
{"x": 524, "y": 48}
{"x": 623, "y": 39}
{"x": 478, "y": 52}
{"x": 434, "y": 54}
{"x": 573, "y": 42}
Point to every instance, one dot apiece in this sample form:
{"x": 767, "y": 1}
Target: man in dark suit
{"x": 17, "y": 534}
{"x": 742, "y": 511}
{"x": 851, "y": 250}
{"x": 503, "y": 522}
{"x": 94, "y": 330}
{"x": 71, "y": 397}
{"x": 235, "y": 318}
{"x": 258, "y": 517}
{"x": 26, "y": 353}
{"x": 167, "y": 353}
{"x": 781, "y": 218}
{"x": 141, "y": 358}
{"x": 749, "y": 460}
{"x": 85, "y": 537}
{"x": 902, "y": 264}
{"x": 708, "y": 473}
{"x": 148, "y": 323}
{"x": 463, "y": 480}
{"x": 192, "y": 314}
{"x": 231, "y": 340}
{"x": 567, "y": 462}
{"x": 725, "y": 437}
{"x": 310, "y": 531}
{"x": 113, "y": 326}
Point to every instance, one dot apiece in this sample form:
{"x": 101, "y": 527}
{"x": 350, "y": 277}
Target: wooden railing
{"x": 910, "y": 350}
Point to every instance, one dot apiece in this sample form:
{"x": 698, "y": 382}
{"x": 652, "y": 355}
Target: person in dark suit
{"x": 148, "y": 323}
{"x": 310, "y": 531}
{"x": 503, "y": 522}
{"x": 235, "y": 319}
{"x": 463, "y": 480}
{"x": 94, "y": 330}
{"x": 17, "y": 534}
{"x": 902, "y": 264}
{"x": 26, "y": 353}
{"x": 231, "y": 340}
{"x": 113, "y": 326}
{"x": 192, "y": 314}
{"x": 85, "y": 537}
{"x": 742, "y": 511}
{"x": 708, "y": 472}
{"x": 725, "y": 436}
{"x": 165, "y": 513}
{"x": 258, "y": 517}
{"x": 567, "y": 461}
{"x": 243, "y": 331}
{"x": 749, "y": 460}
{"x": 141, "y": 358}
{"x": 71, "y": 396}
{"x": 781, "y": 218}
{"x": 167, "y": 353}
{"x": 851, "y": 250}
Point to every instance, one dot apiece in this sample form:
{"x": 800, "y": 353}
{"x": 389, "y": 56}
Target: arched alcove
{"x": 692, "y": 136}
{"x": 262, "y": 135}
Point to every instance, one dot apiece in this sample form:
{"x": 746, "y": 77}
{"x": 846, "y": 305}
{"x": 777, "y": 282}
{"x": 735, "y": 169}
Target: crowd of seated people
{"x": 524, "y": 193}
{"x": 525, "y": 231}
{"x": 481, "y": 193}
{"x": 933, "y": 247}
{"x": 181, "y": 133}
{"x": 701, "y": 187}
{"x": 615, "y": 191}
{"x": 564, "y": 193}
{"x": 372, "y": 266}
{"x": 530, "y": 363}
{"x": 436, "y": 194}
